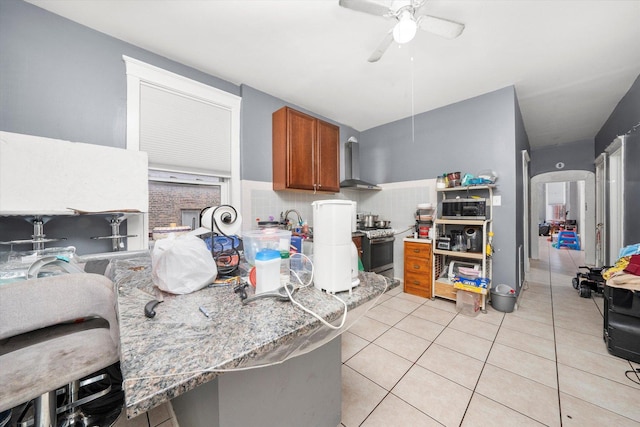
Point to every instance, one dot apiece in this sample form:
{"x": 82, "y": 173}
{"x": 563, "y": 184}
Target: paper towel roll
{"x": 224, "y": 218}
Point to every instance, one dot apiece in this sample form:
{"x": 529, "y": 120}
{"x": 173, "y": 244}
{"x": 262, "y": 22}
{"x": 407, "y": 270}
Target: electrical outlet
{"x": 497, "y": 200}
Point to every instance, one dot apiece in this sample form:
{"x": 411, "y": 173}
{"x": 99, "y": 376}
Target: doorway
{"x": 587, "y": 228}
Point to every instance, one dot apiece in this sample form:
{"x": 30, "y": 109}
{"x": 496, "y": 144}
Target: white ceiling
{"x": 570, "y": 61}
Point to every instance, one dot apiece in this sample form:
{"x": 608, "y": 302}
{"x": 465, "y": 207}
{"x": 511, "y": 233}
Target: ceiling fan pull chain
{"x": 413, "y": 111}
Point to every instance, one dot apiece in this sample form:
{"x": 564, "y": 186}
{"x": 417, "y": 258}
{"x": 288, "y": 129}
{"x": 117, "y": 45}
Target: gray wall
{"x": 573, "y": 208}
{"x": 469, "y": 136}
{"x": 63, "y": 80}
{"x": 632, "y": 189}
{"x": 577, "y": 155}
{"x": 625, "y": 116}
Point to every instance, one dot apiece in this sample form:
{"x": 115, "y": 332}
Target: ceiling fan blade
{"x": 366, "y": 6}
{"x": 382, "y": 47}
{"x": 440, "y": 27}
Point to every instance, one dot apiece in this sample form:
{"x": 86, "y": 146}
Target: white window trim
{"x": 138, "y": 71}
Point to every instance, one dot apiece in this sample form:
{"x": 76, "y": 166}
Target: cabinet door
{"x": 358, "y": 242}
{"x": 300, "y": 150}
{"x": 328, "y": 157}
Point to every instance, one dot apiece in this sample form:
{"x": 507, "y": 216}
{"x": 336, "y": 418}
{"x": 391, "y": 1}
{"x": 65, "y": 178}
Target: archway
{"x": 587, "y": 230}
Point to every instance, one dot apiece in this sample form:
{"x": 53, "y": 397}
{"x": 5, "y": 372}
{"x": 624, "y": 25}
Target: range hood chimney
{"x": 352, "y": 168}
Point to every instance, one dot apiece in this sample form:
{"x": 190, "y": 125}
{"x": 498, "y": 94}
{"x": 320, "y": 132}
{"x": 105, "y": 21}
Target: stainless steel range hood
{"x": 352, "y": 168}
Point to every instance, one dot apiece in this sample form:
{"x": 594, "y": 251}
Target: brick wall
{"x": 167, "y": 200}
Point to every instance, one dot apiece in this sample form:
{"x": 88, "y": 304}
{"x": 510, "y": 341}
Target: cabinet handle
{"x": 416, "y": 267}
{"x": 415, "y": 282}
{"x": 416, "y": 251}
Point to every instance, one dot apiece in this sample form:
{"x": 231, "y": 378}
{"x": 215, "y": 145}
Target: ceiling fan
{"x": 410, "y": 16}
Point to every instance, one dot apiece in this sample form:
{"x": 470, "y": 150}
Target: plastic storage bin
{"x": 503, "y": 298}
{"x": 270, "y": 238}
{"x": 468, "y": 303}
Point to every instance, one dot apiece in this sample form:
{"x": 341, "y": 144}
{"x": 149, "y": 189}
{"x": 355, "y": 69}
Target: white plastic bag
{"x": 182, "y": 265}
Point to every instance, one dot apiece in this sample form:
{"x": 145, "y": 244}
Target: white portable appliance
{"x": 332, "y": 246}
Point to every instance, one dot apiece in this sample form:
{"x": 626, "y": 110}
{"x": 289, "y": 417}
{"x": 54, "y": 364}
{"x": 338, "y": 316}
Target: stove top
{"x": 373, "y": 233}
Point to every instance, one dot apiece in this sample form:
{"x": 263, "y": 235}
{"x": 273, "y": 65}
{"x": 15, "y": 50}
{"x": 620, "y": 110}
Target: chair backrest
{"x": 29, "y": 305}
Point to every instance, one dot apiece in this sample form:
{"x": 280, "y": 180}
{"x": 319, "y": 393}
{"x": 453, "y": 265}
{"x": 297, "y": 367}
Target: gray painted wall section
{"x": 623, "y": 118}
{"x": 66, "y": 81}
{"x": 63, "y": 80}
{"x": 632, "y": 190}
{"x": 577, "y": 155}
{"x": 468, "y": 136}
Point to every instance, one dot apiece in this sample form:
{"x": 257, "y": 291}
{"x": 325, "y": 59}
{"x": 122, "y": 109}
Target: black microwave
{"x": 464, "y": 209}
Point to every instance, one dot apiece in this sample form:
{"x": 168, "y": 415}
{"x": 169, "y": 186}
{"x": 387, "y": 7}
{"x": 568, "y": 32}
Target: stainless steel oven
{"x": 377, "y": 252}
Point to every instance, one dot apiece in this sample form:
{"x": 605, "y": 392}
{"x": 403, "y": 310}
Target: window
{"x": 191, "y": 133}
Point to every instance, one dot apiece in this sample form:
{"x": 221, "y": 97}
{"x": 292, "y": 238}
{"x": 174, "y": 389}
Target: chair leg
{"x": 45, "y": 410}
{"x": 74, "y": 416}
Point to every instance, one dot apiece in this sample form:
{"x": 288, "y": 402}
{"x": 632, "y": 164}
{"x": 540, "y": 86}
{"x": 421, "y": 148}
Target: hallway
{"x": 416, "y": 362}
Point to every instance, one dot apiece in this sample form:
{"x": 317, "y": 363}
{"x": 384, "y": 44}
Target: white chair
{"x": 54, "y": 331}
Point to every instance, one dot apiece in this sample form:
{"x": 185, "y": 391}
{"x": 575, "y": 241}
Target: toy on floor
{"x": 567, "y": 239}
{"x": 593, "y": 281}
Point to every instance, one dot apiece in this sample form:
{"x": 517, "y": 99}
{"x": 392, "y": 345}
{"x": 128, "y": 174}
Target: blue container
{"x": 296, "y": 245}
{"x": 222, "y": 243}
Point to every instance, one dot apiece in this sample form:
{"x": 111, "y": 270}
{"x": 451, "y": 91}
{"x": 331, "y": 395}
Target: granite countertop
{"x": 178, "y": 349}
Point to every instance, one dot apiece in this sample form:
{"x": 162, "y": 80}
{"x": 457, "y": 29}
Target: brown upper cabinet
{"x": 306, "y": 153}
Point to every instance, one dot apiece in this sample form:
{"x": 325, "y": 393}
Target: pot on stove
{"x": 369, "y": 221}
{"x": 383, "y": 224}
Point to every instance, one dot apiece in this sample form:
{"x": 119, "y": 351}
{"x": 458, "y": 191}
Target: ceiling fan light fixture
{"x": 405, "y": 29}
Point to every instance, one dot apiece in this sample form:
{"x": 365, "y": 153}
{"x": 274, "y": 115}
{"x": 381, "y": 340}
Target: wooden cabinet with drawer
{"x": 417, "y": 268}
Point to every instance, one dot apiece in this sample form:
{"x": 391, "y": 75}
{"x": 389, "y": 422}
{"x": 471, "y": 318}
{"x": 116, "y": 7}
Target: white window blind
{"x": 185, "y": 126}
{"x": 183, "y": 133}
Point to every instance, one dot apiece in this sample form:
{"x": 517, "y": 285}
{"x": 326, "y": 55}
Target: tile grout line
{"x": 403, "y": 375}
{"x": 484, "y": 365}
{"x": 555, "y": 342}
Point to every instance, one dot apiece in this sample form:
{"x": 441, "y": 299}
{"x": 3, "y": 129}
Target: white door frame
{"x": 614, "y": 198}
{"x": 601, "y": 211}
{"x": 525, "y": 199}
{"x": 587, "y": 230}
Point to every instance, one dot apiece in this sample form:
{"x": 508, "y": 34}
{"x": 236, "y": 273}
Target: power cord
{"x": 306, "y": 310}
{"x": 636, "y": 371}
{"x": 404, "y": 231}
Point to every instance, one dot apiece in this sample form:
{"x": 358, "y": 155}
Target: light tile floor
{"x": 417, "y": 362}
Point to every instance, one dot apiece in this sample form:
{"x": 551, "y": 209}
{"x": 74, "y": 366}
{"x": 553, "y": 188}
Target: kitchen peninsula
{"x": 180, "y": 353}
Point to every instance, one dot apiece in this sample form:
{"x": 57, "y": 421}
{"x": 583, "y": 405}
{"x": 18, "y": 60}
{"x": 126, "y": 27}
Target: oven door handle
{"x": 381, "y": 240}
